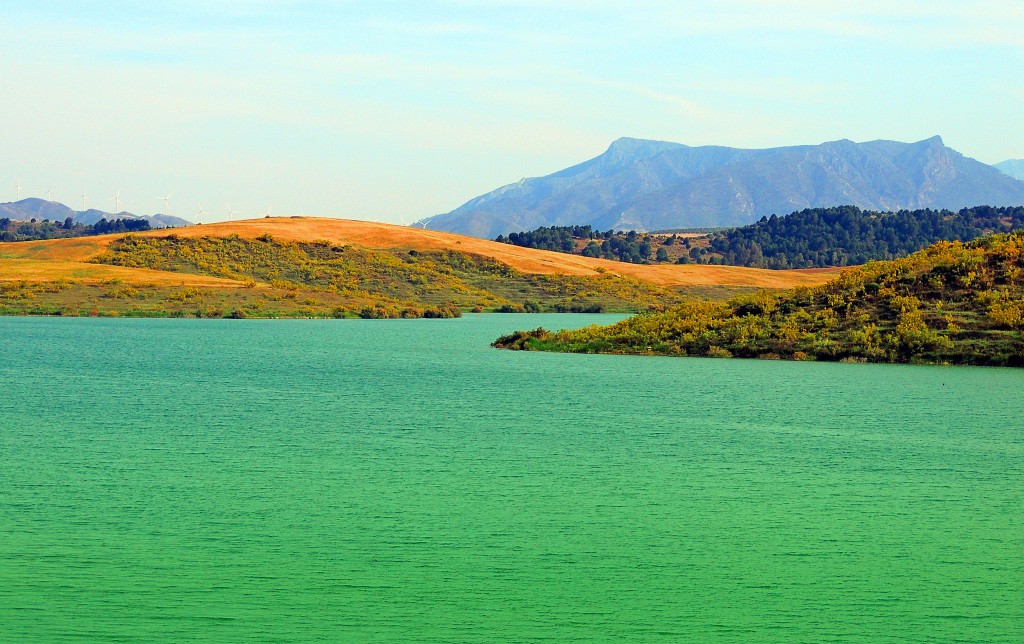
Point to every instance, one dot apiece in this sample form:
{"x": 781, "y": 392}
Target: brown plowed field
{"x": 66, "y": 258}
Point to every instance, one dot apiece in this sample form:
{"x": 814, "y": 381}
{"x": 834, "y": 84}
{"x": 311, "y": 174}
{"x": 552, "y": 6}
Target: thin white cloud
{"x": 918, "y": 23}
{"x": 428, "y": 28}
{"x": 685, "y": 105}
{"x": 395, "y": 67}
{"x": 932, "y": 24}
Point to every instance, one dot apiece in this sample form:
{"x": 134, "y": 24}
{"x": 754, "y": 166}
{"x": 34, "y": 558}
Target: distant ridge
{"x": 650, "y": 185}
{"x": 1012, "y": 167}
{"x": 39, "y": 209}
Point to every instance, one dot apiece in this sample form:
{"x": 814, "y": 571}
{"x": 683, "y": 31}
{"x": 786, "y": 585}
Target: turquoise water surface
{"x": 175, "y": 480}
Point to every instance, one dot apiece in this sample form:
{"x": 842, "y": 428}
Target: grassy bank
{"x": 267, "y": 277}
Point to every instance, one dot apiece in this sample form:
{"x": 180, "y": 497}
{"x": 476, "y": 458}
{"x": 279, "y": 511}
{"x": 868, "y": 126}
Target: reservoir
{"x": 400, "y": 480}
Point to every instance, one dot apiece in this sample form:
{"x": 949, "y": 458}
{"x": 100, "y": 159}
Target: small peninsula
{"x": 952, "y": 303}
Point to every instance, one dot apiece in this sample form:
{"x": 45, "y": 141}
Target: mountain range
{"x": 1012, "y": 167}
{"x": 39, "y": 209}
{"x": 650, "y": 185}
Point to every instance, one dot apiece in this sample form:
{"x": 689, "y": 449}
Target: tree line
{"x": 847, "y": 235}
{"x": 810, "y": 238}
{"x": 632, "y": 247}
{"x": 12, "y": 230}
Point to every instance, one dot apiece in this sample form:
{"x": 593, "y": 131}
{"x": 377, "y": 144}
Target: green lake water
{"x": 177, "y": 480}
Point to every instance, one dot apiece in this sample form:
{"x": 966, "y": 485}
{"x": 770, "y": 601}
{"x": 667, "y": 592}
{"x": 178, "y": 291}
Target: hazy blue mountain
{"x": 1012, "y": 167}
{"x": 40, "y": 209}
{"x": 649, "y": 185}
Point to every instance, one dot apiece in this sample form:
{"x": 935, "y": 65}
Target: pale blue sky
{"x": 395, "y": 110}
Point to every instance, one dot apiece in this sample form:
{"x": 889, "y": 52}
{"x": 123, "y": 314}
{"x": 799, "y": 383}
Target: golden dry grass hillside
{"x": 69, "y": 258}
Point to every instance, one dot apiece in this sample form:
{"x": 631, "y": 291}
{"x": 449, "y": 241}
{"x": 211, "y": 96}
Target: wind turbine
{"x": 167, "y": 202}
{"x": 269, "y": 210}
{"x": 231, "y": 212}
{"x": 117, "y": 202}
{"x": 17, "y": 188}
{"x": 49, "y": 195}
{"x": 85, "y": 202}
{"x": 404, "y": 222}
{"x": 199, "y": 215}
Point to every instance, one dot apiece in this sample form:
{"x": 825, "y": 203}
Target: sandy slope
{"x": 37, "y": 261}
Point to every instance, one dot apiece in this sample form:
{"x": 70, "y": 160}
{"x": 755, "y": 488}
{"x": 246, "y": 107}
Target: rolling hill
{"x": 650, "y": 185}
{"x": 33, "y": 208}
{"x": 318, "y": 267}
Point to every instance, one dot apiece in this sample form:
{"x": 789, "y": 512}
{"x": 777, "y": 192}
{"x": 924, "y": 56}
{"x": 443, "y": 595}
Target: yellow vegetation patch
{"x": 32, "y": 270}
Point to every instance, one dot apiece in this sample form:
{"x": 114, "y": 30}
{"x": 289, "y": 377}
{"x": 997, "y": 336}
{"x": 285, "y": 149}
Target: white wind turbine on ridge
{"x": 167, "y": 202}
{"x": 117, "y": 202}
{"x": 199, "y": 215}
{"x": 231, "y": 212}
